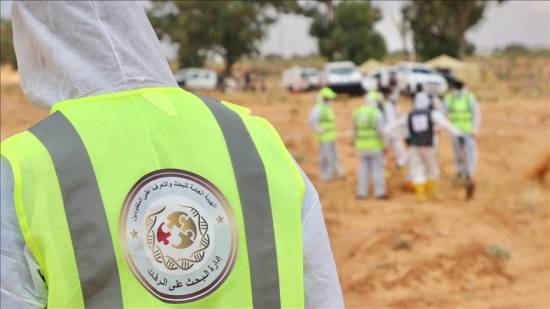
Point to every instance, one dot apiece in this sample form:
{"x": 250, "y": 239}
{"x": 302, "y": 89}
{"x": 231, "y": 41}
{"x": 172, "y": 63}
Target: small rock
{"x": 497, "y": 251}
{"x": 400, "y": 243}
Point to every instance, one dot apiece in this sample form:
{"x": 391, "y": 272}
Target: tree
{"x": 439, "y": 27}
{"x": 514, "y": 49}
{"x": 230, "y": 29}
{"x": 345, "y": 30}
{"x": 7, "y": 53}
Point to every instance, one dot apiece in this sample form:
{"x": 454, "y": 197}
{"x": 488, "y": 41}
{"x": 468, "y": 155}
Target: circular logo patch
{"x": 178, "y": 234}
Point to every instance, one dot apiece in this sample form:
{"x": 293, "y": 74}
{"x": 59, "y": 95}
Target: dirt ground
{"x": 492, "y": 252}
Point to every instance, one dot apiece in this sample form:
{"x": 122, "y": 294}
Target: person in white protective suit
{"x": 420, "y": 124}
{"x": 75, "y": 49}
{"x": 391, "y": 114}
{"x": 435, "y": 104}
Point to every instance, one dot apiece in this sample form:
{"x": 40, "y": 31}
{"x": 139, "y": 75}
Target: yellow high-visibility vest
{"x": 156, "y": 198}
{"x": 367, "y": 136}
{"x": 326, "y": 123}
{"x": 460, "y": 111}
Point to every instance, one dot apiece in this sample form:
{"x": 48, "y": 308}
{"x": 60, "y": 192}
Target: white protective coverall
{"x": 328, "y": 152}
{"x": 74, "y": 49}
{"x": 435, "y": 104}
{"x": 391, "y": 115}
{"x": 423, "y": 163}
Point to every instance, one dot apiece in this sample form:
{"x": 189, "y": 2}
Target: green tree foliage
{"x": 7, "y": 53}
{"x": 231, "y": 29}
{"x": 439, "y": 27}
{"x": 345, "y": 30}
{"x": 518, "y": 49}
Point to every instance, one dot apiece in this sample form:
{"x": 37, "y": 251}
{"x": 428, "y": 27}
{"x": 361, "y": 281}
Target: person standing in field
{"x": 420, "y": 124}
{"x": 321, "y": 120}
{"x": 368, "y": 125}
{"x": 391, "y": 114}
{"x": 462, "y": 109}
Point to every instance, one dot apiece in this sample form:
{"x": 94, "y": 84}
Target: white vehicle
{"x": 381, "y": 77}
{"x": 313, "y": 77}
{"x": 343, "y": 77}
{"x": 410, "y": 74}
{"x": 196, "y": 78}
{"x": 300, "y": 79}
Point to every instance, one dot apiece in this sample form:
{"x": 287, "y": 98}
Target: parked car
{"x": 410, "y": 74}
{"x": 343, "y": 77}
{"x": 197, "y": 78}
{"x": 300, "y": 79}
{"x": 313, "y": 77}
{"x": 381, "y": 77}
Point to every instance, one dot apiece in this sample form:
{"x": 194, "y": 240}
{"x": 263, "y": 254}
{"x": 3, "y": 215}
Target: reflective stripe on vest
{"x": 95, "y": 256}
{"x": 254, "y": 195}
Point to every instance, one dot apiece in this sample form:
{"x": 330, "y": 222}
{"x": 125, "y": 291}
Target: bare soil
{"x": 402, "y": 254}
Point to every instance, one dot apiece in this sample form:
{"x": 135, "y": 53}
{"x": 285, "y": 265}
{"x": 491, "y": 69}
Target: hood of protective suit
{"x": 75, "y": 49}
{"x": 421, "y": 101}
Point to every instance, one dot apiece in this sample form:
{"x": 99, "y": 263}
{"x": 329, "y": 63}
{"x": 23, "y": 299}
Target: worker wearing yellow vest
{"x": 134, "y": 193}
{"x": 463, "y": 112}
{"x": 420, "y": 124}
{"x": 321, "y": 120}
{"x": 368, "y": 125}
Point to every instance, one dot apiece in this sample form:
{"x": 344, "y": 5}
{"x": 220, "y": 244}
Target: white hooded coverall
{"x": 74, "y": 49}
{"x": 391, "y": 114}
{"x": 423, "y": 163}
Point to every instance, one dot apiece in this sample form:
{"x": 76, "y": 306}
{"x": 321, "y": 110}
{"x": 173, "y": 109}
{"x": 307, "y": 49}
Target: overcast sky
{"x": 526, "y": 22}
